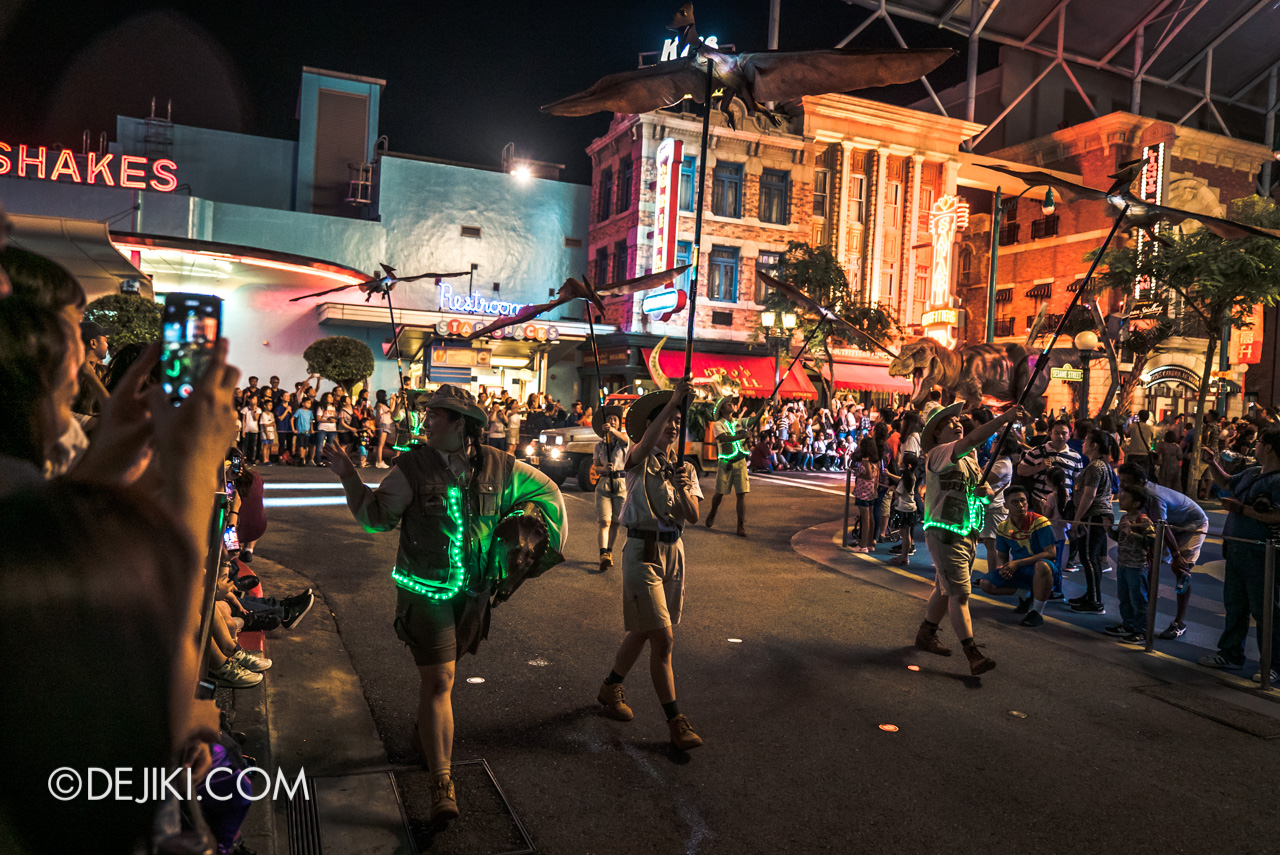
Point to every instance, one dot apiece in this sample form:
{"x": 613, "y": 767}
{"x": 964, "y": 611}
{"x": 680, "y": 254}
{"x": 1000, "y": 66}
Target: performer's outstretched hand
{"x": 337, "y": 460}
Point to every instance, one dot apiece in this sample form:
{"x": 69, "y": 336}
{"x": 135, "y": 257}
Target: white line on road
{"x": 792, "y": 482}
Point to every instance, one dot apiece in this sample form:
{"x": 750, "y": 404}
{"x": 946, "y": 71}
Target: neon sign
{"x": 474, "y": 305}
{"x": 131, "y": 170}
{"x": 519, "y": 332}
{"x": 664, "y": 220}
{"x": 947, "y": 216}
{"x": 672, "y": 45}
{"x": 1151, "y": 189}
{"x": 665, "y": 302}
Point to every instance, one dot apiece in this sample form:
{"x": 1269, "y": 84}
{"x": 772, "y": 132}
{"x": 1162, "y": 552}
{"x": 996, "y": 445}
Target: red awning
{"x": 755, "y": 373}
{"x": 867, "y": 378}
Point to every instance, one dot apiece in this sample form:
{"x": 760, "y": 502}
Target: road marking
{"x": 304, "y": 501}
{"x": 789, "y": 482}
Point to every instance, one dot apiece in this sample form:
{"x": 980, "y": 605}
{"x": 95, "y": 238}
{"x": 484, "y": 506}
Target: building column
{"x": 842, "y": 218}
{"x": 877, "y": 237}
{"x": 909, "y": 275}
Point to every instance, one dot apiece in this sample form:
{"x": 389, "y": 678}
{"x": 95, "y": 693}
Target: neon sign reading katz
{"x": 131, "y": 170}
{"x": 472, "y": 305}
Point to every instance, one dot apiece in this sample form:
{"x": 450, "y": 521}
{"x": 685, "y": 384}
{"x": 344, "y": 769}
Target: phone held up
{"x": 192, "y": 324}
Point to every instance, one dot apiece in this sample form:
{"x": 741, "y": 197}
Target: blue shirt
{"x": 302, "y": 420}
{"x": 1175, "y": 508}
{"x": 1033, "y": 537}
{"x": 1247, "y": 487}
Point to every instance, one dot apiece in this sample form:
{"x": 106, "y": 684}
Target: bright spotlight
{"x": 523, "y": 173}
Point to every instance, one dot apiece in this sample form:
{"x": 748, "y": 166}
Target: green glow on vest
{"x": 973, "y": 516}
{"x": 457, "y": 561}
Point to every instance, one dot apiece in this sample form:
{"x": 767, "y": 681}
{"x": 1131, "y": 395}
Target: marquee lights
{"x": 131, "y": 170}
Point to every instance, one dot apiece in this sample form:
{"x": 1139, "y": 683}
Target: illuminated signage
{"x": 520, "y": 332}
{"x": 665, "y": 216}
{"x": 671, "y": 45}
{"x": 1151, "y": 189}
{"x": 947, "y": 216}
{"x": 665, "y": 302}
{"x": 1071, "y": 375}
{"x": 452, "y": 302}
{"x": 949, "y": 317}
{"x": 459, "y": 356}
{"x": 1248, "y": 341}
{"x": 109, "y": 170}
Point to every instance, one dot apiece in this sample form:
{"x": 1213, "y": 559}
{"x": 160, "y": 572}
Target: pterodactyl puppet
{"x": 382, "y": 284}
{"x": 752, "y": 77}
{"x": 573, "y": 289}
{"x": 798, "y": 297}
{"x": 1143, "y": 215}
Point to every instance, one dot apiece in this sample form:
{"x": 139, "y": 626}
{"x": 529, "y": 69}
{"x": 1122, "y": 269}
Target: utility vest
{"x": 445, "y": 550}
{"x": 729, "y": 446}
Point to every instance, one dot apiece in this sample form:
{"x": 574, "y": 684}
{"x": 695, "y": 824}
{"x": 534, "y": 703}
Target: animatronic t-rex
{"x": 994, "y": 374}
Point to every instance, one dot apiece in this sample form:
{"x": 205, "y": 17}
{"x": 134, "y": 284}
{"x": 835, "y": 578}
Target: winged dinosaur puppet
{"x": 1143, "y": 215}
{"x": 798, "y": 297}
{"x": 382, "y": 284}
{"x": 572, "y": 289}
{"x": 751, "y": 77}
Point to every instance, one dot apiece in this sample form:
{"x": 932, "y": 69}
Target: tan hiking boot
{"x": 682, "y": 735}
{"x": 978, "y": 663}
{"x": 927, "y": 640}
{"x": 614, "y": 700}
{"x": 606, "y": 561}
{"x": 444, "y": 800}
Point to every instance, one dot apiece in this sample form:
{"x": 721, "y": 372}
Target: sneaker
{"x": 614, "y": 700}
{"x": 444, "y": 800}
{"x": 1024, "y": 605}
{"x": 927, "y": 640}
{"x": 231, "y": 675}
{"x": 1075, "y": 601}
{"x": 1118, "y": 629}
{"x": 682, "y": 735}
{"x": 250, "y": 660}
{"x": 606, "y": 561}
{"x": 380, "y": 465}
{"x": 296, "y": 608}
{"x": 1177, "y": 629}
{"x": 896, "y": 549}
{"x": 1057, "y": 597}
{"x": 978, "y": 662}
{"x": 1089, "y": 608}
{"x": 1033, "y": 618}
{"x": 1217, "y": 660}
{"x": 1275, "y": 677}
{"x": 1135, "y": 638}
{"x": 246, "y": 555}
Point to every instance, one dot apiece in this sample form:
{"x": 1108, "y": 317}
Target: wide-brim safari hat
{"x": 602, "y": 413}
{"x": 927, "y": 436}
{"x": 459, "y": 400}
{"x": 718, "y": 413}
{"x": 642, "y": 409}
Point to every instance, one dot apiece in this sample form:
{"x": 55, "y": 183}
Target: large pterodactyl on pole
{"x": 752, "y": 78}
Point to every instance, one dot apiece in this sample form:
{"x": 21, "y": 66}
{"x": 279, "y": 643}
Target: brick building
{"x": 852, "y": 174}
{"x": 1042, "y": 257}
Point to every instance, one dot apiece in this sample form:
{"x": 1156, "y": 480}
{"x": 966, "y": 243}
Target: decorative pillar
{"x": 842, "y": 218}
{"x": 908, "y": 285}
{"x": 877, "y": 236}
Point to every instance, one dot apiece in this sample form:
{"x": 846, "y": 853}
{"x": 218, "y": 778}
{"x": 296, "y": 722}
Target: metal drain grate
{"x": 304, "y": 823}
{"x": 487, "y": 826}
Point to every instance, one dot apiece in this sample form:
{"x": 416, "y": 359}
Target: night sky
{"x": 463, "y": 78}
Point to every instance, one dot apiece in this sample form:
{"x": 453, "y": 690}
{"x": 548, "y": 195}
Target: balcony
{"x": 1044, "y": 227}
{"x": 1004, "y": 326}
{"x": 1008, "y": 234}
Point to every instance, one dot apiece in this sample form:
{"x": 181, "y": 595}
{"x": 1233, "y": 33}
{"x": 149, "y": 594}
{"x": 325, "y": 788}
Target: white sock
{"x": 1037, "y": 606}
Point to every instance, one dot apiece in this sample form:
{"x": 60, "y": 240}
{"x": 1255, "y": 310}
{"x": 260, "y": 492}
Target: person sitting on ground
{"x": 226, "y": 662}
{"x": 1135, "y": 537}
{"x": 1027, "y": 552}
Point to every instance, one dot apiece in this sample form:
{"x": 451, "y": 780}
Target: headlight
{"x": 530, "y": 450}
{"x": 554, "y": 453}
{"x": 559, "y": 440}
{"x": 542, "y": 438}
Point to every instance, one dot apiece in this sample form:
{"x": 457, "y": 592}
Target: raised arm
{"x": 643, "y": 448}
{"x": 976, "y": 437}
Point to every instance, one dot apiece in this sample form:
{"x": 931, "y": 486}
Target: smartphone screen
{"x": 230, "y": 539}
{"x": 192, "y": 324}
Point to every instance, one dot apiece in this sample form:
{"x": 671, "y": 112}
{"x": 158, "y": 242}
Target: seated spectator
{"x": 1026, "y": 552}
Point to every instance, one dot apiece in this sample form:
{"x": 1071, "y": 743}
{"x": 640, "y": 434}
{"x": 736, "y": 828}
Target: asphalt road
{"x": 789, "y": 669}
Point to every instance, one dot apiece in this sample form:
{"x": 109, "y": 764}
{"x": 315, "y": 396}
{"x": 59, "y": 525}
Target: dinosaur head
{"x": 919, "y": 360}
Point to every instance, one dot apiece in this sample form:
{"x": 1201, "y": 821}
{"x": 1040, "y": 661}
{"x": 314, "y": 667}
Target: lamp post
{"x": 1086, "y": 342}
{"x": 997, "y": 214}
{"x": 777, "y": 335}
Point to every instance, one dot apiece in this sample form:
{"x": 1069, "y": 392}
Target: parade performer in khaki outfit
{"x": 662, "y": 496}
{"x": 731, "y": 465}
{"x": 610, "y": 458}
{"x": 474, "y": 523}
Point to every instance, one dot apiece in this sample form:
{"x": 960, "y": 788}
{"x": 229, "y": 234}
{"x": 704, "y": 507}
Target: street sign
{"x": 1071, "y": 375}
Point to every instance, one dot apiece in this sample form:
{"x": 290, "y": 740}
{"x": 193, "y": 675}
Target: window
{"x": 604, "y": 202}
{"x": 893, "y": 205}
{"x": 722, "y": 319}
{"x": 688, "y": 182}
{"x": 602, "y": 266}
{"x": 471, "y": 231}
{"x": 684, "y": 253}
{"x": 966, "y": 263}
{"x": 1008, "y": 234}
{"x": 821, "y": 191}
{"x": 1041, "y": 290}
{"x": 573, "y": 243}
{"x": 620, "y": 271}
{"x": 926, "y": 208}
{"x": 1004, "y": 295}
{"x": 624, "y": 184}
{"x": 766, "y": 262}
{"x": 857, "y": 198}
{"x": 1004, "y": 326}
{"x": 1009, "y": 214}
{"x": 722, "y": 276}
{"x": 1044, "y": 227}
{"x": 726, "y": 190}
{"x": 774, "y": 196}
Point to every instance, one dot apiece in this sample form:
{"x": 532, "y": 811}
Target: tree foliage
{"x": 132, "y": 318}
{"x": 817, "y": 273}
{"x": 339, "y": 359}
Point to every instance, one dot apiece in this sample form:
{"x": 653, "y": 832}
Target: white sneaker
{"x": 232, "y": 675}
{"x": 251, "y": 661}
{"x": 1275, "y": 678}
{"x": 380, "y": 465}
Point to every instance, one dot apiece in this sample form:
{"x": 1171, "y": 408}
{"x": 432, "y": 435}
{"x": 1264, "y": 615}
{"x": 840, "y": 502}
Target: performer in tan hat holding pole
{"x": 609, "y": 459}
{"x": 731, "y": 463}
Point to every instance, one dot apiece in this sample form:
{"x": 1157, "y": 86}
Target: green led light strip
{"x": 457, "y": 563}
{"x": 415, "y": 423}
{"x": 973, "y": 517}
{"x": 736, "y": 451}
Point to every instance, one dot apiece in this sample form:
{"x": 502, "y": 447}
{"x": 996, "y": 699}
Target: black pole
{"x": 395, "y": 337}
{"x": 1043, "y": 359}
{"x": 595, "y": 352}
{"x": 803, "y": 348}
{"x": 697, "y": 255}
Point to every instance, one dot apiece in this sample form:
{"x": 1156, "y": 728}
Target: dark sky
{"x": 463, "y": 78}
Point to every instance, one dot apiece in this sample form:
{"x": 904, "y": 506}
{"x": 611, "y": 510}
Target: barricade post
{"x": 848, "y": 491}
{"x": 1268, "y": 614}
{"x": 1153, "y": 585}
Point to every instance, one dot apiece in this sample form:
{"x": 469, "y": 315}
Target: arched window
{"x": 966, "y": 263}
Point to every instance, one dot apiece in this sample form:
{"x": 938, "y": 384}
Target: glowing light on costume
{"x": 973, "y": 516}
{"x": 457, "y": 556}
{"x": 731, "y": 450}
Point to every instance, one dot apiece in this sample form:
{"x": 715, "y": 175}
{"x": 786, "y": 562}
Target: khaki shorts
{"x": 608, "y": 506}
{"x": 428, "y": 627}
{"x": 652, "y": 593}
{"x": 952, "y": 560}
{"x": 1189, "y": 543}
{"x": 733, "y": 478}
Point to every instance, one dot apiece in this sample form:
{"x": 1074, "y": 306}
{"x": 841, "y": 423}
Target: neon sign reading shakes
{"x": 475, "y": 305}
{"x": 34, "y": 161}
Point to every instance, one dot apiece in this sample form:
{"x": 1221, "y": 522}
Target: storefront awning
{"x": 755, "y": 373}
{"x": 83, "y": 247}
{"x": 867, "y": 378}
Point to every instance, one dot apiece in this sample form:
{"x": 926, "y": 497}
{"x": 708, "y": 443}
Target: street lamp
{"x": 777, "y": 335}
{"x": 1048, "y": 206}
{"x": 1086, "y": 342}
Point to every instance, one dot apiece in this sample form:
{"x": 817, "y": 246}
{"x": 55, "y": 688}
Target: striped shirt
{"x": 1067, "y": 460}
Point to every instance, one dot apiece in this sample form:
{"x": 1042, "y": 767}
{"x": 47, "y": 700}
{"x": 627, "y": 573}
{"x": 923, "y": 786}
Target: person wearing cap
{"x": 609, "y": 458}
{"x": 662, "y": 497}
{"x": 92, "y": 393}
{"x": 474, "y": 522}
{"x": 731, "y": 465}
{"x": 954, "y": 512}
